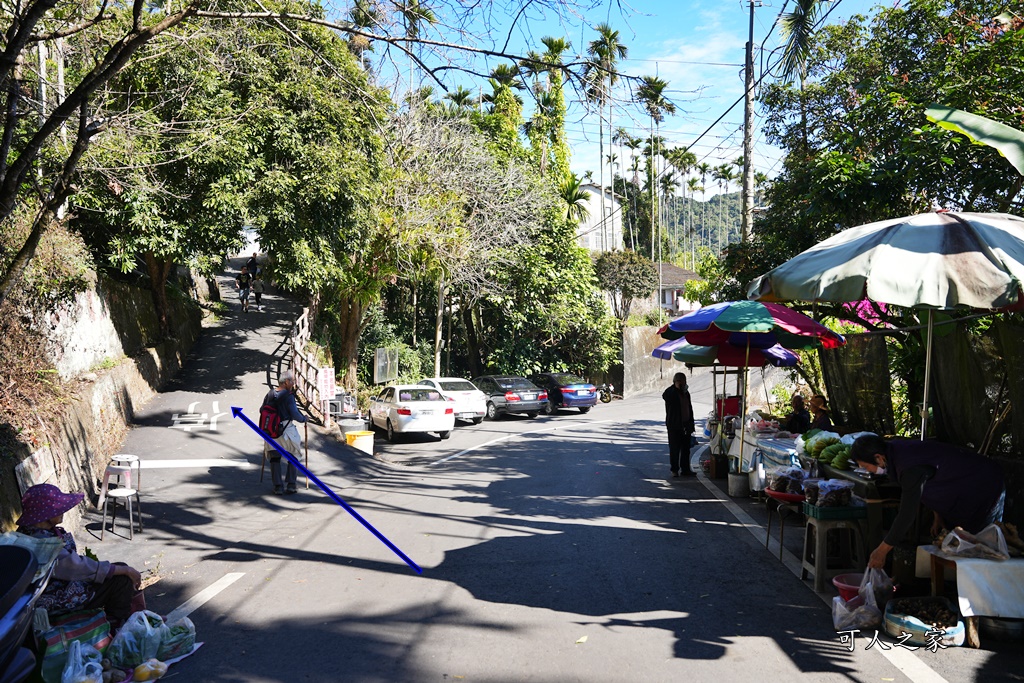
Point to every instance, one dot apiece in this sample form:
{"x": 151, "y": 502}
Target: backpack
{"x": 270, "y": 418}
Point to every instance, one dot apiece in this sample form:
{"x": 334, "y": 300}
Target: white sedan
{"x": 410, "y": 408}
{"x": 470, "y": 403}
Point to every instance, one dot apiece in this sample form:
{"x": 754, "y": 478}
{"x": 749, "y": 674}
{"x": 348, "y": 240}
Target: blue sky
{"x": 698, "y": 47}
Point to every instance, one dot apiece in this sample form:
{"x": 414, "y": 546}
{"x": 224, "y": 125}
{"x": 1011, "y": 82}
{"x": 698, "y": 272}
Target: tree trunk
{"x": 351, "y": 312}
{"x": 472, "y": 341}
{"x": 158, "y": 270}
{"x": 439, "y": 326}
{"x": 415, "y": 310}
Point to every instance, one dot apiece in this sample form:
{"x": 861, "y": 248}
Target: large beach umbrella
{"x": 934, "y": 261}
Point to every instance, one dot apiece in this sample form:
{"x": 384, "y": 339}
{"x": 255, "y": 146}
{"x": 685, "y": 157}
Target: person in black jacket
{"x": 679, "y": 422}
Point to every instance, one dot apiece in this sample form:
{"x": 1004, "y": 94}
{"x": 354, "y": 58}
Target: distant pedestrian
{"x": 243, "y": 282}
{"x": 253, "y": 265}
{"x": 257, "y": 290}
{"x": 679, "y": 422}
{"x": 284, "y": 398}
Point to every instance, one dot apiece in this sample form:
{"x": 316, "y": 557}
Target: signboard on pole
{"x": 385, "y": 365}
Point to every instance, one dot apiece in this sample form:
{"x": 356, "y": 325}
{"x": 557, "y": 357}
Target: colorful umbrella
{"x": 937, "y": 261}
{"x": 725, "y": 354}
{"x": 754, "y": 323}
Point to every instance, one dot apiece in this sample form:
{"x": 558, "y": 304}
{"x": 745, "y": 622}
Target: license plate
{"x": 583, "y": 392}
{"x": 529, "y": 397}
{"x": 426, "y": 412}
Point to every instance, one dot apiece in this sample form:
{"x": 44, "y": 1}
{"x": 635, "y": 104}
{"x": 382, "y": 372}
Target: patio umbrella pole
{"x": 927, "y": 374}
{"x": 743, "y": 408}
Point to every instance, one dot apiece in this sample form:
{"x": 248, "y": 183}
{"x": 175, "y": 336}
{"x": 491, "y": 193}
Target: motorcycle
{"x": 604, "y": 392}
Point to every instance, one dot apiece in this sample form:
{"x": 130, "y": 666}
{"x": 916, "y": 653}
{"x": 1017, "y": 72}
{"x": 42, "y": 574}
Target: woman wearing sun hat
{"x": 77, "y": 582}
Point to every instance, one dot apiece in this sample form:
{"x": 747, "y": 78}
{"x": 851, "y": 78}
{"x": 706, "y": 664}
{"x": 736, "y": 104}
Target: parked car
{"x": 407, "y": 408}
{"x": 566, "y": 390}
{"x": 470, "y": 403}
{"x": 510, "y": 394}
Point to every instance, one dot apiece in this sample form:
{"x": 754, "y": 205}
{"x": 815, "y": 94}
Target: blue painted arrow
{"x": 237, "y": 412}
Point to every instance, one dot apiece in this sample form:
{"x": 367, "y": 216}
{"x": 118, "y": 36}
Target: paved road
{"x": 552, "y": 549}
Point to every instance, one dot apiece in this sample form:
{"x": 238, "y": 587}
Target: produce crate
{"x": 845, "y": 512}
{"x": 901, "y": 625}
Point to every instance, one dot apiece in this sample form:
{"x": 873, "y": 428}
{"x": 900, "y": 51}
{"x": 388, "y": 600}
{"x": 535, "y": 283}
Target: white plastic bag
{"x": 835, "y": 493}
{"x": 138, "y": 640}
{"x": 850, "y": 438}
{"x": 879, "y": 584}
{"x": 861, "y": 612}
{"x": 83, "y": 665}
{"x": 988, "y": 544}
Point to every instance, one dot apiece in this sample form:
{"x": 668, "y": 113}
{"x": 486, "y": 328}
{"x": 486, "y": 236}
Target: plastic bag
{"x": 180, "y": 640}
{"x": 879, "y": 583}
{"x": 809, "y": 441}
{"x": 83, "y": 665}
{"x": 850, "y": 438}
{"x": 989, "y": 544}
{"x": 860, "y": 612}
{"x": 149, "y": 670}
{"x": 786, "y": 480}
{"x": 138, "y": 640}
{"x": 835, "y": 493}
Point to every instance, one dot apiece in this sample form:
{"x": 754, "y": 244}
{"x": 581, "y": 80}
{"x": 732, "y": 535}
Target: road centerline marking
{"x": 202, "y": 597}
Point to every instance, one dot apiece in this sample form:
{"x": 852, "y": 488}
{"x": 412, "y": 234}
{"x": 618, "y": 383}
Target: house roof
{"x": 674, "y": 276}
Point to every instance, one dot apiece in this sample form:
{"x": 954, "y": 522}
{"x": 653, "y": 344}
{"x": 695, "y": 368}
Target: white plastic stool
{"x": 125, "y": 496}
{"x": 121, "y": 467}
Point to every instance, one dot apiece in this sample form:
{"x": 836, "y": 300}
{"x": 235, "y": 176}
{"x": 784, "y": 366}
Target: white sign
{"x": 385, "y": 366}
{"x": 325, "y": 383}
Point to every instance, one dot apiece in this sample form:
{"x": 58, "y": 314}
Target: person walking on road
{"x": 679, "y": 422}
{"x": 284, "y": 399}
{"x": 243, "y": 283}
{"x": 253, "y": 265}
{"x": 258, "y": 287}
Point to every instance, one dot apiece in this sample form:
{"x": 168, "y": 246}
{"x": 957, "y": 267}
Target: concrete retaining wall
{"x": 641, "y": 372}
{"x": 90, "y": 430}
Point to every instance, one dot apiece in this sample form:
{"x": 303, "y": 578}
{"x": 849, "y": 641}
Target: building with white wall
{"x": 594, "y": 233}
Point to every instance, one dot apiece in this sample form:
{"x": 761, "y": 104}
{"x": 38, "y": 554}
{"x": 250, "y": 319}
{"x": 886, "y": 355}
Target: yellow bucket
{"x": 362, "y": 441}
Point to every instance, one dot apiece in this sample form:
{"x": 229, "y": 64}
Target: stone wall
{"x": 94, "y": 423}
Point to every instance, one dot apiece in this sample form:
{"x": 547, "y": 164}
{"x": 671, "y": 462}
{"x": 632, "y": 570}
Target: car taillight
{"x": 543, "y": 396}
{"x": 448, "y": 411}
{"x": 404, "y": 411}
{"x": 568, "y": 392}
{"x": 510, "y": 396}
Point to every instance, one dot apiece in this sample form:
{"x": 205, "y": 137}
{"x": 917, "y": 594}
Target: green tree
{"x": 651, "y": 95}
{"x": 625, "y": 276}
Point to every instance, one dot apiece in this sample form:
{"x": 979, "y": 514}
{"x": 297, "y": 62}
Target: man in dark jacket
{"x": 960, "y": 487}
{"x": 284, "y": 399}
{"x": 679, "y": 422}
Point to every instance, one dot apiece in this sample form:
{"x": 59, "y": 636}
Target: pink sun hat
{"x": 45, "y": 501}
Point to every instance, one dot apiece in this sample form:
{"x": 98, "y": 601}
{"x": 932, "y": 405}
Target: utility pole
{"x": 748, "y": 134}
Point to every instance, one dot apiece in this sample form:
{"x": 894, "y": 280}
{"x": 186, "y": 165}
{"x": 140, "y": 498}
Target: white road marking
{"x": 192, "y": 407}
{"x": 909, "y": 664}
{"x": 202, "y": 597}
{"x": 512, "y": 436}
{"x": 184, "y": 464}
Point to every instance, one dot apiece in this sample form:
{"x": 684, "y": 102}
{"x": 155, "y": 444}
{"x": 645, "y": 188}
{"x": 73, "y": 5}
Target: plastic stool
{"x": 124, "y": 495}
{"x": 816, "y": 559}
{"x": 121, "y": 467}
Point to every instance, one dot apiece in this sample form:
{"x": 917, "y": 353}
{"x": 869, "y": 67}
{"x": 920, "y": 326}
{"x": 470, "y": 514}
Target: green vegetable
{"x": 821, "y": 444}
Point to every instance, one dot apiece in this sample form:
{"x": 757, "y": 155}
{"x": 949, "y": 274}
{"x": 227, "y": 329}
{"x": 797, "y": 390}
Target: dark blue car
{"x": 566, "y": 390}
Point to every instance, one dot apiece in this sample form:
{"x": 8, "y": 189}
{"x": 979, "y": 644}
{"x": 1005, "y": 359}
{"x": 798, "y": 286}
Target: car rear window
{"x": 566, "y": 378}
{"x": 514, "y": 383}
{"x": 419, "y": 395}
{"x": 457, "y": 386}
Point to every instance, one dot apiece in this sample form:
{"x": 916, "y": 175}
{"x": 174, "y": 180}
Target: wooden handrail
{"x": 306, "y": 370}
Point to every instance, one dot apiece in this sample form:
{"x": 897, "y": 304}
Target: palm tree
{"x": 651, "y": 94}
{"x": 414, "y": 15}
{"x": 682, "y": 159}
{"x": 576, "y": 199}
{"x": 760, "y": 182}
{"x": 669, "y": 183}
{"x": 461, "y": 97}
{"x": 693, "y": 184}
{"x": 364, "y": 14}
{"x": 718, "y": 174}
{"x": 704, "y": 169}
{"x": 797, "y": 30}
{"x": 604, "y": 52}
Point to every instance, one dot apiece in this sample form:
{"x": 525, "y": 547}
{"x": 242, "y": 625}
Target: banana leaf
{"x": 1008, "y": 141}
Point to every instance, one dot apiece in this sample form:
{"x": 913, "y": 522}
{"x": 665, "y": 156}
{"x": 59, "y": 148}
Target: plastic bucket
{"x": 362, "y": 441}
{"x": 739, "y": 484}
{"x": 848, "y": 585}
